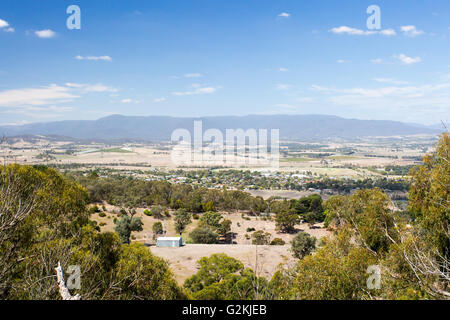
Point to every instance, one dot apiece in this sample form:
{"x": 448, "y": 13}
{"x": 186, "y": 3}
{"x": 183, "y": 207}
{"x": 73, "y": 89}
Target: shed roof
{"x": 169, "y": 238}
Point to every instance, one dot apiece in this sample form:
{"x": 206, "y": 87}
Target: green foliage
{"x": 336, "y": 271}
{"x": 102, "y": 214}
{"x": 147, "y": 212}
{"x": 141, "y": 275}
{"x": 302, "y": 245}
{"x": 44, "y": 221}
{"x": 286, "y": 220}
{"x": 126, "y": 225}
{"x": 211, "y": 220}
{"x": 204, "y": 236}
{"x": 261, "y": 238}
{"x": 429, "y": 197}
{"x": 208, "y": 206}
{"x": 368, "y": 213}
{"x": 182, "y": 219}
{"x": 224, "y": 278}
{"x": 277, "y": 242}
{"x": 94, "y": 209}
{"x": 157, "y": 212}
{"x": 157, "y": 228}
{"x": 309, "y": 208}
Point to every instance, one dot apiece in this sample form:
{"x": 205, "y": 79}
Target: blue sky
{"x": 234, "y": 57}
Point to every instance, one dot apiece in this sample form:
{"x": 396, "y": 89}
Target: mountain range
{"x": 160, "y": 128}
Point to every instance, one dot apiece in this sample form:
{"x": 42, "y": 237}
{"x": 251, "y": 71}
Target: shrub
{"x": 302, "y": 245}
{"x": 157, "y": 228}
{"x": 204, "y": 236}
{"x": 147, "y": 212}
{"x": 102, "y": 214}
{"x": 157, "y": 212}
{"x": 94, "y": 209}
{"x": 195, "y": 216}
{"x": 261, "y": 238}
{"x": 251, "y": 229}
{"x": 277, "y": 242}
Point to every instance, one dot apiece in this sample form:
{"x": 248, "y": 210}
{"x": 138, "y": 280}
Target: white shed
{"x": 169, "y": 242}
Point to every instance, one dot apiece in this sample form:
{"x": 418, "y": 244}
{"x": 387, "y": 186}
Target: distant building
{"x": 169, "y": 242}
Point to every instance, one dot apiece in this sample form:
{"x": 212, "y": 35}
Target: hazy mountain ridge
{"x": 160, "y": 128}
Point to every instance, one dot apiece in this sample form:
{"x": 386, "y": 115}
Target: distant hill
{"x": 160, "y": 128}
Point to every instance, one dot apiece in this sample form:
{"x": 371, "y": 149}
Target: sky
{"x": 214, "y": 57}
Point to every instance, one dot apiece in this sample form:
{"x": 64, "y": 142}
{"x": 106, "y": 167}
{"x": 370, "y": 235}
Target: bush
{"x": 204, "y": 236}
{"x": 157, "y": 212}
{"x": 251, "y": 229}
{"x": 157, "y": 228}
{"x": 277, "y": 242}
{"x": 102, "y": 214}
{"x": 102, "y": 224}
{"x": 195, "y": 216}
{"x": 94, "y": 209}
{"x": 302, "y": 245}
{"x": 147, "y": 212}
{"x": 261, "y": 238}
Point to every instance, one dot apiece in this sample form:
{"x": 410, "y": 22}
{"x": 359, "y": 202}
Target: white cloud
{"x": 193, "y": 75}
{"x": 341, "y": 61}
{"x": 359, "y": 32}
{"x": 45, "y": 33}
{"x": 411, "y": 31}
{"x": 286, "y": 106}
{"x": 94, "y": 58}
{"x": 283, "y": 86}
{"x": 390, "y": 80}
{"x": 97, "y": 88}
{"x": 198, "y": 90}
{"x": 388, "y": 32}
{"x": 51, "y": 108}
{"x": 4, "y": 25}
{"x": 36, "y": 96}
{"x": 392, "y": 97}
{"x": 283, "y": 69}
{"x": 284, "y": 15}
{"x": 377, "y": 61}
{"x": 130, "y": 101}
{"x": 407, "y": 60}
{"x": 157, "y": 100}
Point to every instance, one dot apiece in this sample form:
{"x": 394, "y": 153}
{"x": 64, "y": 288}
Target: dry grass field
{"x": 183, "y": 261}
